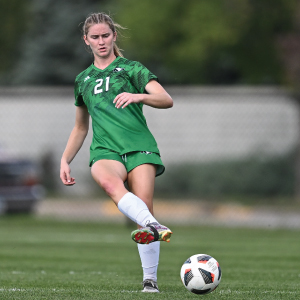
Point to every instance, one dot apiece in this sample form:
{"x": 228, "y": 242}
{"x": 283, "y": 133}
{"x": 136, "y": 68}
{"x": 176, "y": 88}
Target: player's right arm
{"x": 74, "y": 143}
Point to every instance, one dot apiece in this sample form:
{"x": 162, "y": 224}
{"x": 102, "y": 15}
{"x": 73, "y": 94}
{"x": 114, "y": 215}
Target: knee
{"x": 109, "y": 186}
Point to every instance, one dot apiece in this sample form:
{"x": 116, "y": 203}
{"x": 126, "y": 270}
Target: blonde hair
{"x": 98, "y": 18}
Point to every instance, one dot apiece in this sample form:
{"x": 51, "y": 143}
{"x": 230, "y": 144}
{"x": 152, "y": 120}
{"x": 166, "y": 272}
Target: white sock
{"x": 135, "y": 209}
{"x": 149, "y": 255}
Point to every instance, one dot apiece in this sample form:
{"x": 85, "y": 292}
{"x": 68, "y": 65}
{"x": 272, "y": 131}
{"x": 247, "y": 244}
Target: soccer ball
{"x": 200, "y": 274}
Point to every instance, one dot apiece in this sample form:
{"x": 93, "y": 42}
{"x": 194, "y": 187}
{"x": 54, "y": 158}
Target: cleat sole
{"x": 142, "y": 236}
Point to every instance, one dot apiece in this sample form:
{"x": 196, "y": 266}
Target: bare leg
{"x": 110, "y": 175}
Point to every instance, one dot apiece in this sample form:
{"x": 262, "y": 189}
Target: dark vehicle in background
{"x": 20, "y": 189}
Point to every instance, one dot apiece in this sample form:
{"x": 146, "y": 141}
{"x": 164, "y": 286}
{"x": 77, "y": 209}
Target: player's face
{"x": 101, "y": 40}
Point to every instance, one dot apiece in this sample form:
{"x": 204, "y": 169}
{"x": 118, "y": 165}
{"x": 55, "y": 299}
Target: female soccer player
{"x": 113, "y": 91}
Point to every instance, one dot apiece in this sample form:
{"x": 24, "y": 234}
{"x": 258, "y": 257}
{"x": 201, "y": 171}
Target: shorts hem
{"x": 160, "y": 169}
{"x": 153, "y": 159}
{"x": 101, "y": 157}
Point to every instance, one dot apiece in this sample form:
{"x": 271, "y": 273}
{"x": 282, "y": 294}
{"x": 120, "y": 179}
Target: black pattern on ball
{"x": 207, "y": 276}
{"x": 219, "y": 272}
{"x": 188, "y": 276}
{"x": 203, "y": 258}
{"x": 200, "y": 292}
{"x": 188, "y": 261}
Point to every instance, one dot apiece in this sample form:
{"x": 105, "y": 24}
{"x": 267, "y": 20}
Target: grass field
{"x": 47, "y": 259}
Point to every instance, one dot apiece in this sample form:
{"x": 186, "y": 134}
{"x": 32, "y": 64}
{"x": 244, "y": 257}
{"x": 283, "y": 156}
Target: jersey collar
{"x": 112, "y": 65}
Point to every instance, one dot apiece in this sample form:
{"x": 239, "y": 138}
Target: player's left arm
{"x": 157, "y": 97}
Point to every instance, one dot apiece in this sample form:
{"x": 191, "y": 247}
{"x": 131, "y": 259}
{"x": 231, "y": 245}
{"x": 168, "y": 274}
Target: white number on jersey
{"x": 97, "y": 88}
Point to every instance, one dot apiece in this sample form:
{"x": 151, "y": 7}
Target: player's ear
{"x": 115, "y": 36}
{"x": 85, "y": 40}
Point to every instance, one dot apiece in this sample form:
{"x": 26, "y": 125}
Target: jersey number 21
{"x": 98, "y": 89}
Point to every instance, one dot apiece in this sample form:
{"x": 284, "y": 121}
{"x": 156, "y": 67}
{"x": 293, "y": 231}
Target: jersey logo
{"x": 118, "y": 69}
{"x": 86, "y": 78}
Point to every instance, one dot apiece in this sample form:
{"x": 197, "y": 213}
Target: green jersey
{"x": 120, "y": 130}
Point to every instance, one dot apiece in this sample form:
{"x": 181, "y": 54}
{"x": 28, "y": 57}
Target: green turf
{"x": 46, "y": 259}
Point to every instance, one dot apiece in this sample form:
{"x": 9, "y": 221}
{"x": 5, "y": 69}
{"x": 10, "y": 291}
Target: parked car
{"x": 20, "y": 189}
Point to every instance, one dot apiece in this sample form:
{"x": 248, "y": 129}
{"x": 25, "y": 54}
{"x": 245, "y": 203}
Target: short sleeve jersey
{"x": 120, "y": 130}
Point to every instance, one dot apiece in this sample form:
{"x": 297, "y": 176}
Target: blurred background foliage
{"x": 183, "y": 42}
{"x": 256, "y": 177}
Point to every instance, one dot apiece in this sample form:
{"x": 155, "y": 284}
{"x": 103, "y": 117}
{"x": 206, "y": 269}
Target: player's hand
{"x": 124, "y": 99}
{"x": 65, "y": 174}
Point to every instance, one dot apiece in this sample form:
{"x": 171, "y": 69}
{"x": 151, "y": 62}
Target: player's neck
{"x": 103, "y": 62}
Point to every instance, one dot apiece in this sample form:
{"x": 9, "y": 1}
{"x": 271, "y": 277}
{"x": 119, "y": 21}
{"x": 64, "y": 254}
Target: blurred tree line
{"x": 183, "y": 42}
